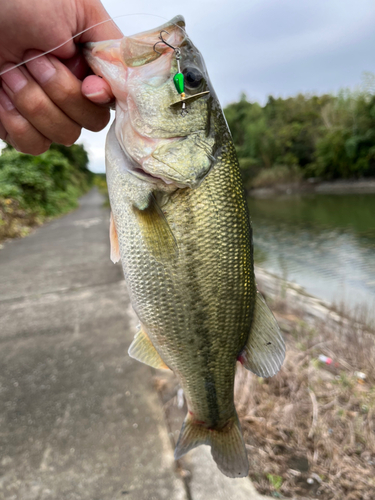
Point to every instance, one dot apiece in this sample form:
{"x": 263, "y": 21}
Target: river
{"x": 323, "y": 242}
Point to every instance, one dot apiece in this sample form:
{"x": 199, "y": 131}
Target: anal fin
{"x": 113, "y": 238}
{"x": 143, "y": 350}
{"x": 264, "y": 351}
{"x": 227, "y": 445}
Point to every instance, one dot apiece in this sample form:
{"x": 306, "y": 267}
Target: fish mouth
{"x": 137, "y": 170}
{"x": 146, "y": 176}
{"x": 139, "y": 49}
{"x": 174, "y": 162}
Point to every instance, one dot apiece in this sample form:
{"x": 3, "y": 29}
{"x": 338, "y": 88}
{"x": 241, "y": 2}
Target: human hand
{"x": 43, "y": 102}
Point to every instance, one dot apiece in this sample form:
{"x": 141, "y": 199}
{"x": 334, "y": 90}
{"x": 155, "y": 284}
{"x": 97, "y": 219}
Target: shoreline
{"x": 308, "y": 308}
{"x": 357, "y": 186}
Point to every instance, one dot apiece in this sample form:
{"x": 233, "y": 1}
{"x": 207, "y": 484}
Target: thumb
{"x": 97, "y": 90}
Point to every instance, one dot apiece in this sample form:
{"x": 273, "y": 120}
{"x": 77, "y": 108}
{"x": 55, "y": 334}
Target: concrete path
{"x": 79, "y": 419}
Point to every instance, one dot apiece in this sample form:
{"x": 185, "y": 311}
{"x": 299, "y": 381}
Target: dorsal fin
{"x": 264, "y": 351}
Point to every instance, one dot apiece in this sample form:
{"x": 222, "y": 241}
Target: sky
{"x": 262, "y": 47}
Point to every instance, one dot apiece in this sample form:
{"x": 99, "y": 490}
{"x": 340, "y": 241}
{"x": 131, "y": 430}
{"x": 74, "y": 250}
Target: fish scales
{"x": 202, "y": 301}
{"x": 180, "y": 226}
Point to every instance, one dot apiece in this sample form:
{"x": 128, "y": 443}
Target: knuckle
{"x": 70, "y": 90}
{"x": 36, "y": 105}
{"x": 65, "y": 92}
{"x": 19, "y": 130}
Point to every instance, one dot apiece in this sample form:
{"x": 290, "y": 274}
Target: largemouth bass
{"x": 180, "y": 226}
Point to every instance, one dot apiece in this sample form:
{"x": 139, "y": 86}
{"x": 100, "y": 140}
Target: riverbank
{"x": 355, "y": 186}
{"x": 309, "y": 430}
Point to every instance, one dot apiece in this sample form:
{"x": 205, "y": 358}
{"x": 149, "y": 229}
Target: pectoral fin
{"x": 156, "y": 232}
{"x": 115, "y": 249}
{"x": 264, "y": 352}
{"x": 143, "y": 350}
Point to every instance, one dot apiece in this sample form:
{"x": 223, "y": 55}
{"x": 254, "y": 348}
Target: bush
{"x": 33, "y": 188}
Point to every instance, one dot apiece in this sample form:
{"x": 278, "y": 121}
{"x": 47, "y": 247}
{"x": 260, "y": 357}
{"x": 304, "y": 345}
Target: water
{"x": 326, "y": 243}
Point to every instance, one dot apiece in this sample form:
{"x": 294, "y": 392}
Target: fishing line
{"x": 111, "y": 19}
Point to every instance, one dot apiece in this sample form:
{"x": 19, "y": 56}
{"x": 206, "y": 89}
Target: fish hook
{"x": 178, "y": 79}
{"x": 176, "y": 50}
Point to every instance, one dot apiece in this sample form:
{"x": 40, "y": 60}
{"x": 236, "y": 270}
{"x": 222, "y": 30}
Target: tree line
{"x": 306, "y": 136}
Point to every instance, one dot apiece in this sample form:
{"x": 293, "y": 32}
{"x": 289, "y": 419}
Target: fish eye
{"x": 193, "y": 77}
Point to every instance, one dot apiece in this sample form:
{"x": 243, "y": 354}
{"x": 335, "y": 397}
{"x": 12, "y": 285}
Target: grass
{"x": 14, "y": 220}
{"x": 17, "y": 221}
{"x": 310, "y": 430}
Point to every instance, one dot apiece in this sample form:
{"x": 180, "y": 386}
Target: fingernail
{"x": 42, "y": 69}
{"x": 15, "y": 79}
{"x": 5, "y": 102}
{"x": 100, "y": 97}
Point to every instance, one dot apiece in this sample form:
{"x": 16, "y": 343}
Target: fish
{"x": 180, "y": 227}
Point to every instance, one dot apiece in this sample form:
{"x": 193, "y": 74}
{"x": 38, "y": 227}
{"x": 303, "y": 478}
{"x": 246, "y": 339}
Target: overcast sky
{"x": 263, "y": 47}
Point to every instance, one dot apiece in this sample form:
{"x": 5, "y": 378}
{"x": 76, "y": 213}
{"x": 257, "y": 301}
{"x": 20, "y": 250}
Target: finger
{"x": 78, "y": 66}
{"x": 64, "y": 89}
{"x": 34, "y": 105}
{"x": 18, "y": 131}
{"x": 97, "y": 90}
{"x": 3, "y": 132}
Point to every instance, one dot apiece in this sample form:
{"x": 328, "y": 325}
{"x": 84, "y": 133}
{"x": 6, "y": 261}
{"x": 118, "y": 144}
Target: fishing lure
{"x": 178, "y": 79}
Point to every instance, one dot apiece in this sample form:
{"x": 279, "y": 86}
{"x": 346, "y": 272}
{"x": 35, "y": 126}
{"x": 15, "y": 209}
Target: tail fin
{"x": 227, "y": 445}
